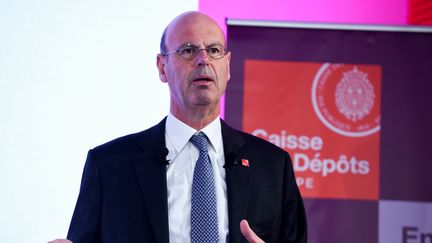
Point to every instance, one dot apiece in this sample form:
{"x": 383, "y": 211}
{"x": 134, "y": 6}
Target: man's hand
{"x": 60, "y": 241}
{"x": 247, "y": 232}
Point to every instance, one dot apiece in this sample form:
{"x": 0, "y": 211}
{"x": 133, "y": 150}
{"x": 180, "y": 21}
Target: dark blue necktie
{"x": 204, "y": 224}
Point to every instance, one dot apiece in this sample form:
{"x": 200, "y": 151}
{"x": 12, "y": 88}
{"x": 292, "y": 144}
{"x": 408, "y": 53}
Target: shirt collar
{"x": 179, "y": 133}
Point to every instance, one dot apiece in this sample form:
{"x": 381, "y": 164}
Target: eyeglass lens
{"x": 189, "y": 51}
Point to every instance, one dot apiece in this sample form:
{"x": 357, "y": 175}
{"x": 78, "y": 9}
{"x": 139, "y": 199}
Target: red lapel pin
{"x": 245, "y": 162}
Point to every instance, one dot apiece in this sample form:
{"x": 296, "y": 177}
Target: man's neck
{"x": 196, "y": 119}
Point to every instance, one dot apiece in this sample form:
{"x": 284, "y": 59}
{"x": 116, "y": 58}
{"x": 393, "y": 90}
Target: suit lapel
{"x": 238, "y": 180}
{"x": 151, "y": 173}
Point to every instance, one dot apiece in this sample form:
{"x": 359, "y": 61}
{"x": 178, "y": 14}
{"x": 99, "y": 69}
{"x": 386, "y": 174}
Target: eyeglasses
{"x": 189, "y": 51}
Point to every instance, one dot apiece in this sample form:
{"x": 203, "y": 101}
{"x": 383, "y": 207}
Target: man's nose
{"x": 202, "y": 58}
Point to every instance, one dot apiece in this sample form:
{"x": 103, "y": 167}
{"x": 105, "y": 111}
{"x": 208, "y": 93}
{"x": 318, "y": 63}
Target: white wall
{"x": 73, "y": 74}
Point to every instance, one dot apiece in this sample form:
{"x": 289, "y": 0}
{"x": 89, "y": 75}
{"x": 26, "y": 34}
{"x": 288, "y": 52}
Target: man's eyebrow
{"x": 186, "y": 44}
{"x": 216, "y": 43}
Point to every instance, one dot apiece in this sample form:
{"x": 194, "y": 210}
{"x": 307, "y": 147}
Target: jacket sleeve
{"x": 86, "y": 220}
{"x": 294, "y": 224}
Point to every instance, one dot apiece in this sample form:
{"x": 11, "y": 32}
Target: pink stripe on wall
{"x": 334, "y": 11}
{"x": 389, "y": 12}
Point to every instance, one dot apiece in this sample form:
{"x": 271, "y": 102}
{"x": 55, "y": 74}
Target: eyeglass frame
{"x": 206, "y": 49}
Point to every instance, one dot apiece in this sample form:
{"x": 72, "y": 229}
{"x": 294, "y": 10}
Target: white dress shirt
{"x": 183, "y": 156}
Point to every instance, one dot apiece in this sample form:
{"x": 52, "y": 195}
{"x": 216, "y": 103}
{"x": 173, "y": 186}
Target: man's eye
{"x": 188, "y": 50}
{"x": 214, "y": 50}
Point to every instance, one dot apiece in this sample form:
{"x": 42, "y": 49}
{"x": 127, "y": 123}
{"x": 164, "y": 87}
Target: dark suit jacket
{"x": 123, "y": 195}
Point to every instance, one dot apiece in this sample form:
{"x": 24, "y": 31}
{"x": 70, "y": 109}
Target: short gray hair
{"x": 163, "y": 47}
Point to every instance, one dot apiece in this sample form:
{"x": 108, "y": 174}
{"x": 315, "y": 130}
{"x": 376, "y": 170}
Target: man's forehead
{"x": 189, "y": 26}
{"x": 192, "y": 17}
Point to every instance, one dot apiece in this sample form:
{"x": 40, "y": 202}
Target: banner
{"x": 325, "y": 138}
{"x": 351, "y": 107}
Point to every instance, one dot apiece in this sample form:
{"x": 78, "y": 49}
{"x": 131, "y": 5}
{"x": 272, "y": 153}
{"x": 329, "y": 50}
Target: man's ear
{"x": 160, "y": 63}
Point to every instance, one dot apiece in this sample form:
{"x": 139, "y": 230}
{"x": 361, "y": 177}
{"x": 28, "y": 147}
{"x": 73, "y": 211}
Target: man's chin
{"x": 203, "y": 100}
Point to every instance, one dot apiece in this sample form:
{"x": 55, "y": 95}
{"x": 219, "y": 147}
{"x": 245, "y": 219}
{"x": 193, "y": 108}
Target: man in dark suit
{"x": 140, "y": 188}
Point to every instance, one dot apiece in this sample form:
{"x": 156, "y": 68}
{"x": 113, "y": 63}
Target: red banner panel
{"x": 420, "y": 12}
{"x": 326, "y": 115}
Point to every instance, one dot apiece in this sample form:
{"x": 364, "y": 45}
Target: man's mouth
{"x": 203, "y": 79}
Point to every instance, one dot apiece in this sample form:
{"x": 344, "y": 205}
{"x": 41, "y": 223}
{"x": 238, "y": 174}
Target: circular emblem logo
{"x": 344, "y": 99}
